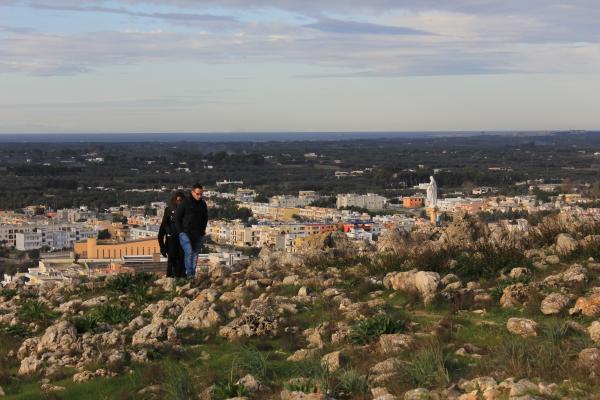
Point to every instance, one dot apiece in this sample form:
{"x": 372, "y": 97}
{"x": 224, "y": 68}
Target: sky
{"x": 77, "y": 66}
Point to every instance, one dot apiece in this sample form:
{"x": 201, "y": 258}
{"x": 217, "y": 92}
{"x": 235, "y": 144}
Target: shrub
{"x": 85, "y": 323}
{"x": 112, "y": 314}
{"x": 8, "y": 293}
{"x": 316, "y": 372}
{"x": 35, "y": 310}
{"x": 178, "y": 385}
{"x": 127, "y": 282}
{"x": 352, "y": 384}
{"x": 228, "y": 390}
{"x": 426, "y": 368}
{"x": 368, "y": 330}
{"x": 252, "y": 361}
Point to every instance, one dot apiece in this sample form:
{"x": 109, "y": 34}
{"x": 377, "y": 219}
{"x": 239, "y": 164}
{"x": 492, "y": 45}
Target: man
{"x": 191, "y": 220}
{"x": 168, "y": 239}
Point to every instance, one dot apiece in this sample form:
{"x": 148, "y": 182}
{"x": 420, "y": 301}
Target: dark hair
{"x": 174, "y": 197}
{"x": 197, "y": 186}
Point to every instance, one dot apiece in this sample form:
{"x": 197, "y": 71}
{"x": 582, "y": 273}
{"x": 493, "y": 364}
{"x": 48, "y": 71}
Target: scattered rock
{"x": 418, "y": 394}
{"x": 515, "y": 295}
{"x": 522, "y": 327}
{"x": 156, "y": 333}
{"x": 198, "y": 314}
{"x": 250, "y": 383}
{"x": 588, "y": 306}
{"x": 554, "y": 303}
{"x": 589, "y": 359}
{"x": 334, "y": 361}
{"x": 395, "y": 342}
{"x": 565, "y": 243}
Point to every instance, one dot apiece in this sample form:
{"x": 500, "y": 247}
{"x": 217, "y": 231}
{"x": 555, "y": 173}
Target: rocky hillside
{"x": 460, "y": 312}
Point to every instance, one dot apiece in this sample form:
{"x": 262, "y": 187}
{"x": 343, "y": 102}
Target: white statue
{"x": 432, "y": 193}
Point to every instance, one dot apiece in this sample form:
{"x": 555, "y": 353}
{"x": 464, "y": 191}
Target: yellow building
{"x": 92, "y": 249}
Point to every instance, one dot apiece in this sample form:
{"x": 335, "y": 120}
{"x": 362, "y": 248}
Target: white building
{"x": 369, "y": 201}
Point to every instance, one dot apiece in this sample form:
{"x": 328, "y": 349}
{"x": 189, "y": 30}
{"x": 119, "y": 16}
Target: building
{"x": 55, "y": 236}
{"x": 369, "y": 201}
{"x": 413, "y": 201}
{"x": 110, "y": 250}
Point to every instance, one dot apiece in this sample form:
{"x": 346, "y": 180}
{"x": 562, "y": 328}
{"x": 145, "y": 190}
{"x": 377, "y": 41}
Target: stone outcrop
{"x": 522, "y": 327}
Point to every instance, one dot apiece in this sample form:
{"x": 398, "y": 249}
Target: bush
{"x": 426, "y": 368}
{"x": 178, "y": 385}
{"x": 352, "y": 384}
{"x": 8, "y": 293}
{"x": 85, "y": 323}
{"x": 251, "y": 361}
{"x": 32, "y": 309}
{"x": 112, "y": 314}
{"x": 368, "y": 330}
{"x": 127, "y": 282}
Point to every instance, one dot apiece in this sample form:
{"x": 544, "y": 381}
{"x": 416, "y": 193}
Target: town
{"x": 69, "y": 244}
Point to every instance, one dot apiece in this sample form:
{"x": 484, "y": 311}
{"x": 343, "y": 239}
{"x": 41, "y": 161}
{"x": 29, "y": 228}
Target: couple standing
{"x": 182, "y": 231}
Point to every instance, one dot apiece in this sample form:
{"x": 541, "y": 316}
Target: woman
{"x": 168, "y": 239}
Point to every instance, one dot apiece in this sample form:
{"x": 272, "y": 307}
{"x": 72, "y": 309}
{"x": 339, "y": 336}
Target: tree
{"x": 104, "y": 234}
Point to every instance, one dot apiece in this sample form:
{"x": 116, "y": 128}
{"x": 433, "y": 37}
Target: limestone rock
{"x": 250, "y": 383}
{"x": 395, "y": 342}
{"x": 522, "y": 327}
{"x": 334, "y": 361}
{"x": 594, "y": 331}
{"x": 565, "y": 243}
{"x": 29, "y": 366}
{"x": 554, "y": 303}
{"x": 58, "y": 337}
{"x": 589, "y": 358}
{"x": 156, "y": 333}
{"x": 418, "y": 394}
{"x": 425, "y": 283}
{"x": 198, "y": 315}
{"x": 514, "y": 295}
{"x": 588, "y": 306}
{"x": 287, "y": 395}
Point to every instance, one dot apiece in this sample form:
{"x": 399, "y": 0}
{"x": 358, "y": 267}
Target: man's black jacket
{"x": 192, "y": 217}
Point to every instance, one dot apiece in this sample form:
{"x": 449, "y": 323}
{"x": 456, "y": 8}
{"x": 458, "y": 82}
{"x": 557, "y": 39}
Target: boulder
{"x": 156, "y": 333}
{"x": 418, "y": 394}
{"x": 589, "y": 359}
{"x": 250, "y": 383}
{"x": 198, "y": 315}
{"x": 295, "y": 395}
{"x": 517, "y": 273}
{"x": 334, "y": 361}
{"x": 394, "y": 342}
{"x": 425, "y": 283}
{"x": 515, "y": 295}
{"x": 588, "y": 306}
{"x": 565, "y": 243}
{"x": 594, "y": 331}
{"x": 554, "y": 303}
{"x": 522, "y": 327}
{"x": 30, "y": 365}
{"x": 58, "y": 337}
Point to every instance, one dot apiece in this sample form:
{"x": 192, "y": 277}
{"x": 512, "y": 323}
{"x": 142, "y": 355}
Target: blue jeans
{"x": 191, "y": 247}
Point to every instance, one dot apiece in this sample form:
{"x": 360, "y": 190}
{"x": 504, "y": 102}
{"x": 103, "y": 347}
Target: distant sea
{"x": 246, "y": 136}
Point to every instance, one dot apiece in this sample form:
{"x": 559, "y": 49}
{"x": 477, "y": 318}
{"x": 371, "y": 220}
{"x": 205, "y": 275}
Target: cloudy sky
{"x": 298, "y": 65}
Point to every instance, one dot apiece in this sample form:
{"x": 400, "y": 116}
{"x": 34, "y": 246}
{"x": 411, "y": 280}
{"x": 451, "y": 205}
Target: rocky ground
{"x": 460, "y": 312}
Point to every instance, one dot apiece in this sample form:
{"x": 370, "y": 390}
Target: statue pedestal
{"x": 433, "y": 215}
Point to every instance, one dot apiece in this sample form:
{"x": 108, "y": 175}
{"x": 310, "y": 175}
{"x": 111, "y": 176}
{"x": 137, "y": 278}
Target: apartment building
{"x": 370, "y": 201}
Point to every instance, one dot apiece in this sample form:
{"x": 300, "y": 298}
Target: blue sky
{"x": 290, "y": 65}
